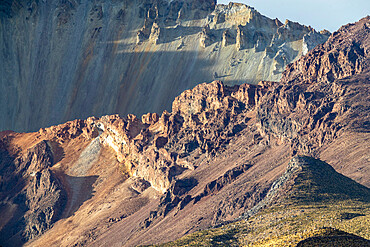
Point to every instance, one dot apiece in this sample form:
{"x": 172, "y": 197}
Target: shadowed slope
{"x": 332, "y": 238}
{"x": 314, "y": 181}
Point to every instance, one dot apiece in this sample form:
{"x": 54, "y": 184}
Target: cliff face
{"x": 32, "y": 197}
{"x": 217, "y": 156}
{"x": 63, "y": 60}
{"x": 222, "y": 152}
{"x": 345, "y": 54}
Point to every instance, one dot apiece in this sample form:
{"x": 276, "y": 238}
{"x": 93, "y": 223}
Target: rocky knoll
{"x": 63, "y": 60}
{"x": 214, "y": 157}
{"x": 307, "y": 180}
{"x": 309, "y": 205}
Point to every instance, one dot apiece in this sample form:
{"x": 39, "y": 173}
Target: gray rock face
{"x": 73, "y": 59}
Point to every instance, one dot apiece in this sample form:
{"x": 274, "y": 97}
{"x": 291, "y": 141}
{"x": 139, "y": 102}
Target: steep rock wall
{"x": 63, "y": 60}
{"x": 130, "y": 181}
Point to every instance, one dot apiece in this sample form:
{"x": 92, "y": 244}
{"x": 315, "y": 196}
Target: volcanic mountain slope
{"x": 310, "y": 198}
{"x": 214, "y": 158}
{"x": 70, "y": 59}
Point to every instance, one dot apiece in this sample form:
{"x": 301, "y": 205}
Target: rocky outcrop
{"x": 311, "y": 115}
{"x": 92, "y": 59}
{"x": 34, "y": 195}
{"x": 216, "y": 185}
{"x": 220, "y": 152}
{"x": 227, "y": 38}
{"x": 154, "y": 148}
{"x": 346, "y": 53}
{"x": 177, "y": 196}
{"x": 45, "y": 201}
{"x": 35, "y": 159}
{"x": 206, "y": 37}
{"x": 16, "y": 171}
{"x": 311, "y": 109}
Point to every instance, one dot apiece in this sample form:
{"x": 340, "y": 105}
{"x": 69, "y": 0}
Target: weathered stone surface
{"x": 45, "y": 200}
{"x": 33, "y": 191}
{"x": 346, "y": 53}
{"x": 216, "y": 155}
{"x": 227, "y": 38}
{"x": 75, "y": 59}
{"x": 310, "y": 108}
{"x": 35, "y": 159}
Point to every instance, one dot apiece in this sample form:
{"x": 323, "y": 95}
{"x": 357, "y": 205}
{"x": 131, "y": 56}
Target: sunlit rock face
{"x": 223, "y": 153}
{"x": 63, "y": 60}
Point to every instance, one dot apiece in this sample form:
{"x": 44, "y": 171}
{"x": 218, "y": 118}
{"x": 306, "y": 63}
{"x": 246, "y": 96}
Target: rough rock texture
{"x": 216, "y": 155}
{"x": 313, "y": 114}
{"x": 346, "y": 53}
{"x": 63, "y": 60}
{"x": 45, "y": 201}
{"x": 28, "y": 163}
{"x": 200, "y": 121}
{"x": 310, "y": 109}
{"x": 31, "y": 195}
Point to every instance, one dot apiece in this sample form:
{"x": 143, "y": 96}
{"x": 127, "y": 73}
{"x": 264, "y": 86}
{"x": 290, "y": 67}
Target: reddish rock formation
{"x": 324, "y": 93}
{"x": 130, "y": 181}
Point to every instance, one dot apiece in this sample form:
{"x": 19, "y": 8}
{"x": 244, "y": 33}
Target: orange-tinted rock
{"x": 150, "y": 118}
{"x": 212, "y": 159}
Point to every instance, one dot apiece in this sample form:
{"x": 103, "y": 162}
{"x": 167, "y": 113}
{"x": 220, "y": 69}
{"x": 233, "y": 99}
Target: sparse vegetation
{"x": 313, "y": 204}
{"x": 285, "y": 225}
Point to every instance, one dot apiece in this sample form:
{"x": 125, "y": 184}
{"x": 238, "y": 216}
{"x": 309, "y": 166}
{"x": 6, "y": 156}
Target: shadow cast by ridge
{"x": 80, "y": 190}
